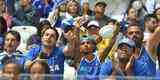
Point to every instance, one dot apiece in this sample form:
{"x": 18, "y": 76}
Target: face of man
{"x": 100, "y": 9}
{"x": 86, "y": 46}
{"x": 11, "y": 43}
{"x": 124, "y": 53}
{"x": 49, "y": 38}
{"x": 151, "y": 24}
{"x": 136, "y": 34}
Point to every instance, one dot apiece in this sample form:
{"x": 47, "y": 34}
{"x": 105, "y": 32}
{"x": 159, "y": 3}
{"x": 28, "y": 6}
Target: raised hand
{"x": 129, "y": 66}
{"x": 70, "y": 36}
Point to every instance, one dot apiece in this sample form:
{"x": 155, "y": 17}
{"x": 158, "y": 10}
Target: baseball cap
{"x": 87, "y": 38}
{"x": 67, "y": 24}
{"x": 93, "y": 23}
{"x": 126, "y": 41}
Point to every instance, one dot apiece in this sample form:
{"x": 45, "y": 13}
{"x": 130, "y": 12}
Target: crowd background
{"x": 80, "y": 39}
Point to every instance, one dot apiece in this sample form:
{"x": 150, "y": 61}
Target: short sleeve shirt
{"x": 89, "y": 70}
{"x": 14, "y": 58}
{"x": 144, "y": 65}
{"x": 55, "y": 60}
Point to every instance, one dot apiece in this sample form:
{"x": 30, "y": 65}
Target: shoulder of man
{"x": 33, "y": 52}
{"x": 35, "y": 49}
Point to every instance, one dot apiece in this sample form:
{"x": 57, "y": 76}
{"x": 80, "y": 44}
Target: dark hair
{"x": 53, "y": 28}
{"x": 15, "y": 34}
{"x": 156, "y": 10}
{"x": 149, "y": 16}
{"x": 101, "y": 3}
{"x": 137, "y": 25}
{"x": 44, "y": 22}
{"x": 127, "y": 11}
{"x": 43, "y": 64}
{"x": 3, "y": 25}
{"x": 42, "y": 25}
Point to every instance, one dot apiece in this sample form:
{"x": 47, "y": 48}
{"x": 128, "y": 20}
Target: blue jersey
{"x": 14, "y": 58}
{"x": 158, "y": 75}
{"x": 43, "y": 9}
{"x": 106, "y": 68}
{"x": 55, "y": 60}
{"x": 144, "y": 65}
{"x": 89, "y": 70}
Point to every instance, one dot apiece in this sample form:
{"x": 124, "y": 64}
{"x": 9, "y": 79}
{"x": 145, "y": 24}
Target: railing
{"x": 52, "y": 77}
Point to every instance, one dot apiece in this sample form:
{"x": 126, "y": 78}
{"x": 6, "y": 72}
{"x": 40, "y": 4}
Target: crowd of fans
{"x": 70, "y": 41}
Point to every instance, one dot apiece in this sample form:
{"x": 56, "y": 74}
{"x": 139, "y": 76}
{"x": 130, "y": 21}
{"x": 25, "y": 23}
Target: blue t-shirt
{"x": 55, "y": 60}
{"x": 144, "y": 65}
{"x": 16, "y": 57}
{"x": 158, "y": 74}
{"x": 106, "y": 70}
{"x": 89, "y": 70}
{"x": 43, "y": 9}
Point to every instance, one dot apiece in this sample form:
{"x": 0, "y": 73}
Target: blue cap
{"x": 67, "y": 24}
{"x": 127, "y": 41}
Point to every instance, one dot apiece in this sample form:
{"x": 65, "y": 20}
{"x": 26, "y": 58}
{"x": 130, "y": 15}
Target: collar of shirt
{"x": 88, "y": 60}
{"x": 9, "y": 55}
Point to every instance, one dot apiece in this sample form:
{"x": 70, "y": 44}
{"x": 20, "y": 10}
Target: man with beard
{"x": 151, "y": 35}
{"x": 123, "y": 65}
{"x": 89, "y": 65}
{"x": 144, "y": 64}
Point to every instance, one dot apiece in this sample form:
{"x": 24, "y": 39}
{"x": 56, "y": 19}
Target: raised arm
{"x": 153, "y": 42}
{"x": 72, "y": 48}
